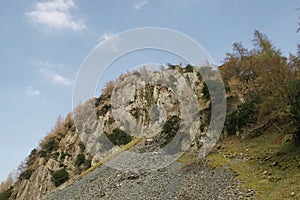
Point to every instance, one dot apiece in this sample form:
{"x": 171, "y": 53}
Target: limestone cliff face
{"x": 59, "y": 150}
{"x": 140, "y": 103}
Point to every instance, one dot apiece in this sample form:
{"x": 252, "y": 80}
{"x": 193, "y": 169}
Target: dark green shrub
{"x": 50, "y": 145}
{"x": 245, "y": 114}
{"x": 119, "y": 137}
{"x": 136, "y": 73}
{"x": 55, "y": 155}
{"x": 59, "y": 177}
{"x": 43, "y": 154}
{"x": 26, "y": 174}
{"x": 231, "y": 123}
{"x": 189, "y": 68}
{"x": 110, "y": 120}
{"x": 199, "y": 76}
{"x": 80, "y": 160}
{"x": 202, "y": 127}
{"x": 294, "y": 102}
{"x": 61, "y": 165}
{"x": 135, "y": 112}
{"x": 6, "y": 194}
{"x": 205, "y": 91}
{"x": 171, "y": 66}
{"x": 32, "y": 157}
{"x": 103, "y": 110}
{"x": 82, "y": 146}
{"x": 62, "y": 155}
{"x": 87, "y": 164}
{"x": 170, "y": 129}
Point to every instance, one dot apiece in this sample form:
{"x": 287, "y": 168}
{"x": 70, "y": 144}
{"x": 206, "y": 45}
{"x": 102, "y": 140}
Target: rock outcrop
{"x": 146, "y": 104}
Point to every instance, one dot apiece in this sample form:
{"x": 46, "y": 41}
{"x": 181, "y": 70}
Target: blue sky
{"x": 43, "y": 44}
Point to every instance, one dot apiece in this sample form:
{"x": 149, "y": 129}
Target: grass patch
{"x": 269, "y": 164}
{"x": 187, "y": 158}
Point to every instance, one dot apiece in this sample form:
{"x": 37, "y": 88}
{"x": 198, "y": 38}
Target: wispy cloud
{"x": 140, "y": 4}
{"x": 111, "y": 41}
{"x": 56, "y": 14}
{"x": 105, "y": 36}
{"x": 48, "y": 70}
{"x": 46, "y": 64}
{"x": 55, "y": 77}
{"x": 32, "y": 92}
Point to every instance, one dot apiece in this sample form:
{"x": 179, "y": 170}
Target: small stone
{"x": 267, "y": 157}
{"x": 274, "y": 164}
{"x": 265, "y": 172}
{"x": 292, "y": 194}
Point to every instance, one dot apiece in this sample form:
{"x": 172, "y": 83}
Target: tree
{"x": 263, "y": 44}
{"x": 5, "y": 185}
{"x": 108, "y": 88}
{"x": 294, "y": 102}
{"x": 239, "y": 50}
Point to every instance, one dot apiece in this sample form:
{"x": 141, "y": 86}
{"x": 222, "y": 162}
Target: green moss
{"x": 187, "y": 158}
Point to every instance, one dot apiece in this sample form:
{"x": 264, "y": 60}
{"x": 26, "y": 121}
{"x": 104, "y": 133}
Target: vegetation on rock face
{"x": 26, "y": 174}
{"x": 189, "y": 69}
{"x": 103, "y": 110}
{"x": 170, "y": 129}
{"x": 119, "y": 137}
{"x": 80, "y": 160}
{"x": 82, "y": 163}
{"x": 6, "y": 194}
{"x": 59, "y": 177}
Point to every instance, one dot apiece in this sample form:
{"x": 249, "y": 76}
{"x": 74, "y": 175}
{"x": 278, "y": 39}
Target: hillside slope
{"x": 72, "y": 148}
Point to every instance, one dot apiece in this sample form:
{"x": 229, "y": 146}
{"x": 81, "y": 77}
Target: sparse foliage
{"x": 108, "y": 88}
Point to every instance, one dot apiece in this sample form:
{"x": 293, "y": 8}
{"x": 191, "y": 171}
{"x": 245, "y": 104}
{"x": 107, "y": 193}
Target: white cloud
{"x": 109, "y": 41}
{"x": 56, "y": 14}
{"x": 105, "y": 36}
{"x": 48, "y": 70}
{"x": 32, "y": 92}
{"x": 140, "y": 4}
{"x": 55, "y": 77}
